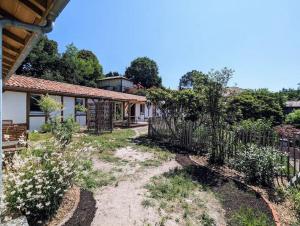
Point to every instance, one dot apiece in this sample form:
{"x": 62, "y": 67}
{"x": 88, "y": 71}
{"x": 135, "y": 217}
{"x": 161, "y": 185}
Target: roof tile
{"x": 23, "y": 83}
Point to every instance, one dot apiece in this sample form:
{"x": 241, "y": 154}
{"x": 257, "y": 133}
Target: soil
{"x": 85, "y": 212}
{"x": 232, "y": 194}
{"x": 69, "y": 202}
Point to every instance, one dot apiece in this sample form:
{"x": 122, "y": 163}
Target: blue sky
{"x": 259, "y": 39}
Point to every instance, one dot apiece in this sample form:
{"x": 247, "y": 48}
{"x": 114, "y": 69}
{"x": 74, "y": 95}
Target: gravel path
{"x": 121, "y": 205}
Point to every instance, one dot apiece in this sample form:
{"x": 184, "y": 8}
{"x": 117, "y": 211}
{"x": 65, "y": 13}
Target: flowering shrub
{"x": 259, "y": 164}
{"x": 63, "y": 131}
{"x": 35, "y": 182}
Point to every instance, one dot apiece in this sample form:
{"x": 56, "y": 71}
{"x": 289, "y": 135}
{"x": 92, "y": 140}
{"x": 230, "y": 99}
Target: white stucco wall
{"x": 69, "y": 107}
{"x": 35, "y": 123}
{"x": 58, "y": 100}
{"x": 14, "y": 106}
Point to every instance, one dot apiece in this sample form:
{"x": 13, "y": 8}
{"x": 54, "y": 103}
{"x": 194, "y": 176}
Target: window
{"x": 79, "y": 102}
{"x": 142, "y": 109}
{"x": 34, "y": 103}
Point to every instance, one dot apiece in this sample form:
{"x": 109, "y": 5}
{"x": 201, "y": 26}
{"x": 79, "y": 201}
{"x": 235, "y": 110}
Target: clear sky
{"x": 259, "y": 39}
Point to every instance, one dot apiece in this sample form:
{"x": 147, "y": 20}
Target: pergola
{"x": 22, "y": 22}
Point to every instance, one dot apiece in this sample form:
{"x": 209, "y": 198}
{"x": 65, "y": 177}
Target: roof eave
{"x": 53, "y": 14}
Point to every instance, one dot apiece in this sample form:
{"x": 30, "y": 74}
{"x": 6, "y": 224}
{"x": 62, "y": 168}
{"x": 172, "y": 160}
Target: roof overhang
{"x": 17, "y": 42}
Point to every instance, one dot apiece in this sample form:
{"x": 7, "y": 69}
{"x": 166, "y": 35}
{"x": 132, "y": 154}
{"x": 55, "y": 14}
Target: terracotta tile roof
{"x": 23, "y": 83}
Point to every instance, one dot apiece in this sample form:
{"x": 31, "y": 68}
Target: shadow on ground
{"x": 232, "y": 194}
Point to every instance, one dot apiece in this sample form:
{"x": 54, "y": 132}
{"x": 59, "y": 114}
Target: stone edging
{"x": 70, "y": 214}
{"x": 269, "y": 204}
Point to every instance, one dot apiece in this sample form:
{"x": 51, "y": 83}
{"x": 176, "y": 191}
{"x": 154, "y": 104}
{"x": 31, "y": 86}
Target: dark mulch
{"x": 233, "y": 195}
{"x": 85, "y": 212}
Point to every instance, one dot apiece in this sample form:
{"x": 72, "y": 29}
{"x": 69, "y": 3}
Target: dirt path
{"x": 121, "y": 204}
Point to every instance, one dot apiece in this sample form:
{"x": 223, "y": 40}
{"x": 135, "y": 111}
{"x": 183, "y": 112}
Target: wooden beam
{"x": 7, "y": 62}
{"x": 32, "y": 7}
{"x": 13, "y": 37}
{"x": 40, "y": 3}
{"x": 9, "y": 55}
{"x": 9, "y": 47}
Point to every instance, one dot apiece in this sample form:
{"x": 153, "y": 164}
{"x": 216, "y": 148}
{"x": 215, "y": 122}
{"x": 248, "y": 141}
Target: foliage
{"x": 259, "y": 164}
{"x": 91, "y": 179}
{"x": 46, "y": 128}
{"x": 293, "y": 118}
{"x": 74, "y": 66}
{"x": 188, "y": 79}
{"x": 249, "y": 217}
{"x": 80, "y": 108}
{"x": 257, "y": 104}
{"x": 175, "y": 185}
{"x": 35, "y": 182}
{"x": 206, "y": 220}
{"x": 213, "y": 89}
{"x": 43, "y": 61}
{"x": 291, "y": 94}
{"x": 182, "y": 104}
{"x": 48, "y": 105}
{"x": 144, "y": 71}
{"x": 294, "y": 193}
{"x": 259, "y": 126}
{"x": 63, "y": 131}
{"x": 108, "y": 142}
{"x": 36, "y": 136}
{"x": 113, "y": 74}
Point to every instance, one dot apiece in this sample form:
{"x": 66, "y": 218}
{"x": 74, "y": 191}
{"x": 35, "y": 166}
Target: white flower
{"x": 40, "y": 206}
{"x": 47, "y": 203}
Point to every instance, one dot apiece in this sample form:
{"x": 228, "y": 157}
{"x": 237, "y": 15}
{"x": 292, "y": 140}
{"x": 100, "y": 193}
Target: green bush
{"x": 257, "y": 126}
{"x": 63, "y": 131}
{"x": 35, "y": 182}
{"x": 46, "y": 128}
{"x": 259, "y": 164}
{"x": 293, "y": 118}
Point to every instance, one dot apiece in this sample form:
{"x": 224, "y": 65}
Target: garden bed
{"x": 85, "y": 211}
{"x": 234, "y": 195}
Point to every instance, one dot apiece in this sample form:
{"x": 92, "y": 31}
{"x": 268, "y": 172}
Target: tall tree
{"x": 43, "y": 61}
{"x": 73, "y": 66}
{"x": 144, "y": 71}
{"x": 113, "y": 74}
{"x": 187, "y": 80}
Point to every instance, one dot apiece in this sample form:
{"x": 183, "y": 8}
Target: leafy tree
{"x": 291, "y": 94}
{"x": 293, "y": 118}
{"x": 80, "y": 67}
{"x": 188, "y": 79}
{"x": 213, "y": 87}
{"x": 144, "y": 71}
{"x": 73, "y": 66}
{"x": 43, "y": 61}
{"x": 257, "y": 104}
{"x": 113, "y": 74}
{"x": 48, "y": 105}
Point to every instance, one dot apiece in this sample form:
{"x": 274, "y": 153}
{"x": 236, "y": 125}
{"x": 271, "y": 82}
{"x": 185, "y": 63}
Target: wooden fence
{"x": 195, "y": 138}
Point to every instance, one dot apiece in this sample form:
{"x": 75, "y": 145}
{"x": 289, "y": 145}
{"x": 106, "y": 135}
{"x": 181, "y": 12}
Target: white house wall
{"x": 14, "y": 106}
{"x": 35, "y": 123}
